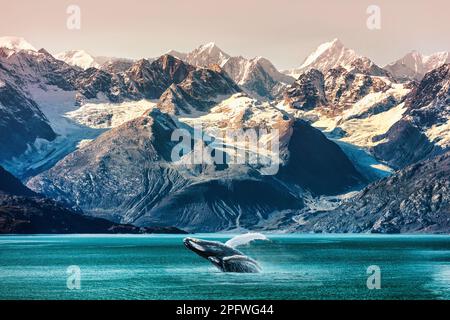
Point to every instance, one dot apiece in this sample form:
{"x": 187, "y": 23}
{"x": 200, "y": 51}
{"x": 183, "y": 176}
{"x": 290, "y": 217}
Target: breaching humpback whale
{"x": 224, "y": 257}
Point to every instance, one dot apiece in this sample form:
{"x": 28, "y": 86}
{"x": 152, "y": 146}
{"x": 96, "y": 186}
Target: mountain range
{"x": 94, "y": 134}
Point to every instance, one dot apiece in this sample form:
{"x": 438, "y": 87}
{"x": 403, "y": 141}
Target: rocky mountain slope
{"x": 424, "y": 129}
{"x": 21, "y": 122}
{"x": 100, "y": 138}
{"x": 398, "y": 123}
{"x": 24, "y": 212}
{"x": 415, "y": 199}
{"x": 51, "y": 91}
{"x": 414, "y": 65}
{"x": 104, "y": 180}
{"x": 198, "y": 92}
{"x": 351, "y": 107}
{"x": 336, "y": 90}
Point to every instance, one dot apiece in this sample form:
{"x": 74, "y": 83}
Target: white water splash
{"x": 246, "y": 238}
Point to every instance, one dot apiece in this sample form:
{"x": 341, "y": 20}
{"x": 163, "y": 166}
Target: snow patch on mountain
{"x": 440, "y": 134}
{"x": 363, "y": 106}
{"x": 325, "y": 203}
{"x": 109, "y": 115}
{"x": 360, "y": 132}
{"x": 239, "y": 113}
{"x": 54, "y": 103}
{"x": 360, "y": 118}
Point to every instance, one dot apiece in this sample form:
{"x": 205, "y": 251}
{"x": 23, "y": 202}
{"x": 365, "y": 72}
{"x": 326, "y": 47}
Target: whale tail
{"x": 244, "y": 239}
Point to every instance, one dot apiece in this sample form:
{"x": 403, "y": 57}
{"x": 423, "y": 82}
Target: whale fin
{"x": 215, "y": 261}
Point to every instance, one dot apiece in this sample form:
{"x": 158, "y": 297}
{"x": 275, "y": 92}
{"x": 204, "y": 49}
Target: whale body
{"x": 225, "y": 258}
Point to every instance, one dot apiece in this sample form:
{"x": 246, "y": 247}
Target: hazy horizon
{"x": 284, "y": 31}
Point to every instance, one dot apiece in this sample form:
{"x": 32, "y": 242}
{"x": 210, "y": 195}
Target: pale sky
{"x": 284, "y": 31}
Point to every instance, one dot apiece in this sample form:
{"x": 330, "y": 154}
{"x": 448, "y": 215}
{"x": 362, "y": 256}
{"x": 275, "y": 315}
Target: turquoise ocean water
{"x": 160, "y": 267}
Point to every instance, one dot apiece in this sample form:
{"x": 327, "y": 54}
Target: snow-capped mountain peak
{"x": 207, "y": 54}
{"x": 79, "y": 58}
{"x": 209, "y": 46}
{"x": 257, "y": 76}
{"x": 333, "y": 46}
{"x": 203, "y": 56}
{"x": 327, "y": 56}
{"x": 16, "y": 44}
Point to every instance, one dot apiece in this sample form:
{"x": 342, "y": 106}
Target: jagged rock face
{"x": 410, "y": 122}
{"x": 199, "y": 91}
{"x": 428, "y": 107}
{"x": 415, "y": 199}
{"x": 257, "y": 77}
{"x": 94, "y": 81}
{"x": 365, "y": 66}
{"x": 143, "y": 80}
{"x": 241, "y": 112}
{"x": 344, "y": 88}
{"x": 179, "y": 86}
{"x": 21, "y": 122}
{"x": 333, "y": 92}
{"x": 429, "y": 103}
{"x": 154, "y": 78}
{"x": 37, "y": 68}
{"x": 308, "y": 92}
{"x": 116, "y": 65}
